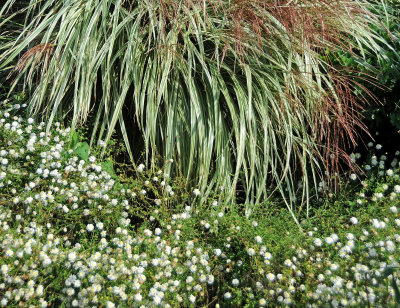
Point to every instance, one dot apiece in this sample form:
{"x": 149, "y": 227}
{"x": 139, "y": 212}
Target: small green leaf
{"x": 108, "y": 166}
{"x": 74, "y": 140}
{"x": 82, "y": 151}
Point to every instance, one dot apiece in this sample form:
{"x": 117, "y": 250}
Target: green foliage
{"x": 236, "y": 87}
{"x": 82, "y": 150}
{"x": 76, "y": 147}
{"x": 379, "y": 75}
{"x": 107, "y": 166}
{"x": 388, "y": 66}
{"x": 74, "y": 140}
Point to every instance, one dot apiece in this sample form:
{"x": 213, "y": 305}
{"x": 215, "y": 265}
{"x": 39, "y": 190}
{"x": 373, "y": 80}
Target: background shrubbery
{"x": 380, "y": 75}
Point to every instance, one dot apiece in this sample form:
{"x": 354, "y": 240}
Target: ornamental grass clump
{"x": 235, "y": 91}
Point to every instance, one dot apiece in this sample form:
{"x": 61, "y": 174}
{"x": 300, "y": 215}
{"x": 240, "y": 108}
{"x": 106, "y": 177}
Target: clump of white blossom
{"x": 69, "y": 234}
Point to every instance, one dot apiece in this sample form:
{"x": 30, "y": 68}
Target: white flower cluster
{"x": 67, "y": 235}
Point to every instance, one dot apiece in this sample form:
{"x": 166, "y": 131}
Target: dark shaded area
{"x": 383, "y": 123}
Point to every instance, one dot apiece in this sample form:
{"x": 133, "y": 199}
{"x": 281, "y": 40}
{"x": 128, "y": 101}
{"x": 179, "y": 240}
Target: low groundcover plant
{"x": 69, "y": 237}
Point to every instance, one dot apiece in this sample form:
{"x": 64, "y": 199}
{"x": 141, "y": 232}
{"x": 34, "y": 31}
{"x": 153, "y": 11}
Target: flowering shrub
{"x": 72, "y": 234}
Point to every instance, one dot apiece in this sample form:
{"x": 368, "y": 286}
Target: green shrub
{"x": 380, "y": 74}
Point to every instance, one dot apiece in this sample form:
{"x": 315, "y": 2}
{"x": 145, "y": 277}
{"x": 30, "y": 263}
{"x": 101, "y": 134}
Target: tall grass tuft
{"x": 236, "y": 91}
